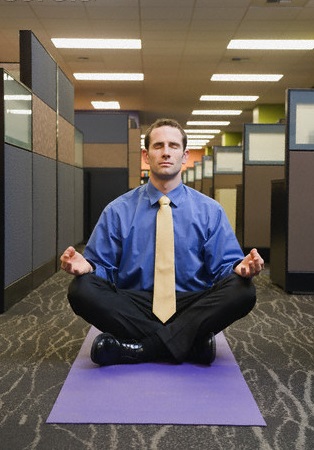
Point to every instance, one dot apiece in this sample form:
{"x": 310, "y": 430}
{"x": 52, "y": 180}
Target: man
{"x": 114, "y": 283}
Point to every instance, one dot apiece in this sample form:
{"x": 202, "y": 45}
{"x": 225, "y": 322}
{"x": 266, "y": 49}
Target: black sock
{"x": 155, "y": 350}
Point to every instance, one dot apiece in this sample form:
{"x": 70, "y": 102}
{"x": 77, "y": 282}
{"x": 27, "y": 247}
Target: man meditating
{"x": 162, "y": 272}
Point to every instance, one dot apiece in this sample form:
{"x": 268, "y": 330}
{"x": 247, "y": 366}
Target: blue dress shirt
{"x": 122, "y": 245}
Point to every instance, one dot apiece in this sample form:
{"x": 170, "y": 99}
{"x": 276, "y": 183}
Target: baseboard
{"x": 16, "y": 291}
{"x": 20, "y": 288}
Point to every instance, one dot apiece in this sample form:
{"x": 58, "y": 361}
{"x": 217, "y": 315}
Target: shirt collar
{"x": 176, "y": 195}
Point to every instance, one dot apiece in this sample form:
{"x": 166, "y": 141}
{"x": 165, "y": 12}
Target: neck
{"x": 165, "y": 186}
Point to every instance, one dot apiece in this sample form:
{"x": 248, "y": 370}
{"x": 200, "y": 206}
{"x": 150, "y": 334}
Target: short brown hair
{"x": 162, "y": 123}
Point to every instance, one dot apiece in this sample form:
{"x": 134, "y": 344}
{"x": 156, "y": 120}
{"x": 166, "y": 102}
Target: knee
{"x": 77, "y": 291}
{"x": 245, "y": 293}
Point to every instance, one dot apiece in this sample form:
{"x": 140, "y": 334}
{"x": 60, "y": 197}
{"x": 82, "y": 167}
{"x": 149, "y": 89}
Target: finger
{"x": 65, "y": 266}
{"x": 71, "y": 250}
{"x": 244, "y": 272}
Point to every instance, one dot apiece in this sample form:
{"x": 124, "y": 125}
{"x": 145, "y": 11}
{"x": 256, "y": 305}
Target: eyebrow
{"x": 177, "y": 143}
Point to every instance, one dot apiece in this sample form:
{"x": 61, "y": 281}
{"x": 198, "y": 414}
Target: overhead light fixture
{"x": 202, "y": 130}
{"x": 208, "y": 123}
{"x": 229, "y": 98}
{"x": 271, "y": 44}
{"x": 105, "y": 105}
{"x": 26, "y": 97}
{"x": 109, "y": 76}
{"x": 201, "y": 136}
{"x": 217, "y": 112}
{"x": 192, "y": 142}
{"x": 245, "y": 77}
{"x": 127, "y": 44}
{"x": 26, "y": 112}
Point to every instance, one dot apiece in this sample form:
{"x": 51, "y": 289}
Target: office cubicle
{"x": 227, "y": 175}
{"x": 41, "y": 193}
{"x": 207, "y": 175}
{"x": 198, "y": 174}
{"x": 292, "y": 222}
{"x": 190, "y": 176}
{"x": 264, "y": 156}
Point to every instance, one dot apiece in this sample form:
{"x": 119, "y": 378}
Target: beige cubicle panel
{"x": 198, "y": 175}
{"x": 207, "y": 175}
{"x": 227, "y": 174}
{"x": 190, "y": 177}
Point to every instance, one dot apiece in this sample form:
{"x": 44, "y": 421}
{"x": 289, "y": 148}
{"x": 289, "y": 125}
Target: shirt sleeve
{"x": 222, "y": 250}
{"x": 103, "y": 249}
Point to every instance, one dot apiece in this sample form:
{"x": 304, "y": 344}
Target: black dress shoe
{"x": 107, "y": 350}
{"x": 203, "y": 352}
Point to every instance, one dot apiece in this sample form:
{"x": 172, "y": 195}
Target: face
{"x": 165, "y": 154}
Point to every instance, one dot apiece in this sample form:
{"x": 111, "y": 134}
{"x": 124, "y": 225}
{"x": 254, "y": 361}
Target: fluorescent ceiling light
{"x": 27, "y": 97}
{"x": 271, "y": 44}
{"x": 109, "y": 76}
{"x": 105, "y": 105}
{"x": 217, "y": 112}
{"x": 26, "y": 112}
{"x": 211, "y": 131}
{"x": 245, "y": 77}
{"x": 197, "y": 142}
{"x": 97, "y": 43}
{"x": 201, "y": 136}
{"x": 207, "y": 123}
{"x": 229, "y": 98}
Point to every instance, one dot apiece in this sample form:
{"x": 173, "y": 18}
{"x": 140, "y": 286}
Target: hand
{"x": 74, "y": 263}
{"x": 251, "y": 265}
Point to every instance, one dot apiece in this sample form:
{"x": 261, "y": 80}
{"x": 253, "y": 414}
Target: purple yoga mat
{"x": 156, "y": 393}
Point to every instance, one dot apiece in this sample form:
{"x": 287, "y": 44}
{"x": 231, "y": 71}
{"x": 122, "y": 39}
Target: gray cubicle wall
{"x": 16, "y": 190}
{"x": 264, "y": 158}
{"x": 18, "y": 215}
{"x": 70, "y": 175}
{"x": 294, "y": 200}
{"x": 227, "y": 175}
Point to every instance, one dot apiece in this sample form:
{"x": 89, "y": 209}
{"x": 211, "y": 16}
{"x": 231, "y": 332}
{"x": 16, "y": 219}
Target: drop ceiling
{"x": 184, "y": 42}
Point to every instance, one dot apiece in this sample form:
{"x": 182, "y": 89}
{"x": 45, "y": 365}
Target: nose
{"x": 166, "y": 150}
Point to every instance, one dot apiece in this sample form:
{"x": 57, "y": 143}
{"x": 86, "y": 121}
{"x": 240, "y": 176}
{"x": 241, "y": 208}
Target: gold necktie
{"x": 164, "y": 301}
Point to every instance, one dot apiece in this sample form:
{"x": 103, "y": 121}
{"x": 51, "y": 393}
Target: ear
{"x": 185, "y": 156}
{"x": 145, "y": 155}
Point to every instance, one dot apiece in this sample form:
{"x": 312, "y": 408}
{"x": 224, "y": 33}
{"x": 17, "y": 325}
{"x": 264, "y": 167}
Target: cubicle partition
{"x": 41, "y": 194}
{"x": 16, "y": 187}
{"x": 190, "y": 177}
{"x": 292, "y": 224}
{"x": 106, "y": 160}
{"x": 198, "y": 169}
{"x": 227, "y": 175}
{"x": 207, "y": 175}
{"x": 263, "y": 161}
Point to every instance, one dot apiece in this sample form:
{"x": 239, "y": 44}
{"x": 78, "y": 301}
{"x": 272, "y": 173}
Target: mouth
{"x": 165, "y": 164}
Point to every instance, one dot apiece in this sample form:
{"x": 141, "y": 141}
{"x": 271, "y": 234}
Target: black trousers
{"x": 128, "y": 314}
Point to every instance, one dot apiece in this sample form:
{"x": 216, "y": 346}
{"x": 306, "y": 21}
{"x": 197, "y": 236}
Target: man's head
{"x": 161, "y": 123}
{"x": 165, "y": 152}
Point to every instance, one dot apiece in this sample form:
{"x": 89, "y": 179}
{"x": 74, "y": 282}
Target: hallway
{"x": 40, "y": 338}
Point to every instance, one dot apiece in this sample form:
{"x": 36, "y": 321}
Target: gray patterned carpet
{"x": 40, "y": 338}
